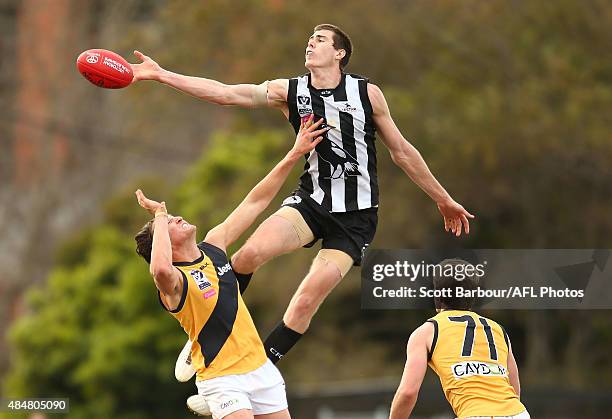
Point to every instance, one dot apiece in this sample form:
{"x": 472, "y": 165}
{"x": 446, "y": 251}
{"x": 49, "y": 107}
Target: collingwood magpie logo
{"x": 342, "y": 162}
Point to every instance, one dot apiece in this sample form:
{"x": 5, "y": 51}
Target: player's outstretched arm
{"x": 513, "y": 373}
{"x": 262, "y": 194}
{"x": 273, "y": 93}
{"x": 166, "y": 278}
{"x": 408, "y": 158}
{"x": 414, "y": 371}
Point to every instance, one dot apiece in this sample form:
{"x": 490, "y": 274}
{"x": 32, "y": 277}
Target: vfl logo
{"x": 92, "y": 59}
{"x": 197, "y": 275}
{"x": 223, "y": 269}
{"x": 303, "y": 105}
{"x": 200, "y": 279}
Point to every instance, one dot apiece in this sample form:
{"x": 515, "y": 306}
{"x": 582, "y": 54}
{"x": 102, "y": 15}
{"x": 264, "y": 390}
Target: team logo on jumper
{"x": 303, "y": 100}
{"x": 200, "y": 279}
{"x": 342, "y": 163}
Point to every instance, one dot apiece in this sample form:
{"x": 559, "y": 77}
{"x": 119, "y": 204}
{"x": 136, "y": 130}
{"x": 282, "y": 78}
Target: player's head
{"x": 452, "y": 275}
{"x": 179, "y": 230}
{"x": 328, "y": 46}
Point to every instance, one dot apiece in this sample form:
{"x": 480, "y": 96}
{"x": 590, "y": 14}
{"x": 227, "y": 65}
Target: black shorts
{"x": 351, "y": 232}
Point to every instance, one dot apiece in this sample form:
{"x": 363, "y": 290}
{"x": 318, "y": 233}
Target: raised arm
{"x": 262, "y": 194}
{"x": 167, "y": 278}
{"x": 269, "y": 93}
{"x": 408, "y": 158}
{"x": 414, "y": 371}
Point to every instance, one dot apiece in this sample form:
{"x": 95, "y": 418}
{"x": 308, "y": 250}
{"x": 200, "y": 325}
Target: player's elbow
{"x": 400, "y": 155}
{"x": 230, "y": 96}
{"x": 404, "y": 154}
{"x": 408, "y": 393}
{"x": 161, "y": 272}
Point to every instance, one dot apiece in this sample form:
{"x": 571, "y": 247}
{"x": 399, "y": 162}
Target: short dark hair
{"x": 341, "y": 41}
{"x": 144, "y": 241}
{"x": 450, "y": 277}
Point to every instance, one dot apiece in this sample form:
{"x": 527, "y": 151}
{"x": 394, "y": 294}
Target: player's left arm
{"x": 262, "y": 194}
{"x": 408, "y": 158}
{"x": 414, "y": 371}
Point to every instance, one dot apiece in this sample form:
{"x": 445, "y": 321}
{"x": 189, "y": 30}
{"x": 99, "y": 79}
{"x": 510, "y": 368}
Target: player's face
{"x": 320, "y": 51}
{"x": 179, "y": 229}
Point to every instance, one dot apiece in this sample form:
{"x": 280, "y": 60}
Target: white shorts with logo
{"x": 262, "y": 391}
{"x": 522, "y": 415}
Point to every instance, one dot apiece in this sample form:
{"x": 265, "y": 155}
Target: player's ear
{"x": 340, "y": 54}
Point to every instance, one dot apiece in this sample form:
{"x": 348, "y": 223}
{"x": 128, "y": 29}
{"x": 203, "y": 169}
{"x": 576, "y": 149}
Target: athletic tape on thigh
{"x": 304, "y": 233}
{"x": 342, "y": 260}
{"x": 259, "y": 94}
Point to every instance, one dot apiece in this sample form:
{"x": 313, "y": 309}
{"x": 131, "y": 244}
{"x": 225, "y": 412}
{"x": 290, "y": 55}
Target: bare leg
{"x": 276, "y": 415}
{"x": 282, "y": 232}
{"x": 240, "y": 414}
{"x": 322, "y": 278}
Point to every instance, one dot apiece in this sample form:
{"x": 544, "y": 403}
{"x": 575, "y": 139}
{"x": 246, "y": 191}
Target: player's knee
{"x": 247, "y": 259}
{"x": 304, "y": 306}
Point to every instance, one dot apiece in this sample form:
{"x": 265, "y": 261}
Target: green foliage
{"x": 95, "y": 331}
{"x": 96, "y": 334}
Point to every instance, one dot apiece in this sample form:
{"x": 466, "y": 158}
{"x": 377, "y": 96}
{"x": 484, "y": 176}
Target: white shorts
{"x": 262, "y": 391}
{"x": 522, "y": 415}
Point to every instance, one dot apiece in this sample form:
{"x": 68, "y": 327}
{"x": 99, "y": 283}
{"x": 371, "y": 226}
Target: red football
{"x": 105, "y": 68}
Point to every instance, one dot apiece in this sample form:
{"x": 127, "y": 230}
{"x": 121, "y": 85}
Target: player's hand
{"x": 150, "y": 205}
{"x": 455, "y": 217}
{"x": 309, "y": 136}
{"x": 146, "y": 70}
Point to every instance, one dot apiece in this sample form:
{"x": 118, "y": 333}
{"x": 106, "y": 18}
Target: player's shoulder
{"x": 212, "y": 251}
{"x": 298, "y": 77}
{"x": 424, "y": 331}
{"x": 376, "y": 96}
{"x": 358, "y": 77}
